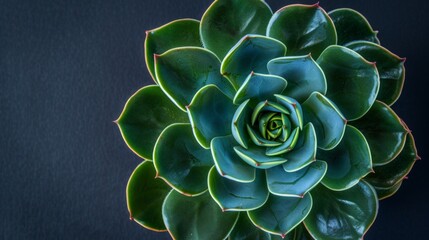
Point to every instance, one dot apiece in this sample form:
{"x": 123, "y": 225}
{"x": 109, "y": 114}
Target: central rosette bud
{"x": 267, "y": 130}
{"x": 271, "y": 127}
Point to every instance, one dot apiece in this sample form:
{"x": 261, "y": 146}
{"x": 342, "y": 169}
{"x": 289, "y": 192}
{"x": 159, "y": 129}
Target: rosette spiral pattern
{"x": 262, "y": 125}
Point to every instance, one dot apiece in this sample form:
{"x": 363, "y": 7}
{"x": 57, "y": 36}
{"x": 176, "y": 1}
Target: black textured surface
{"x": 68, "y": 67}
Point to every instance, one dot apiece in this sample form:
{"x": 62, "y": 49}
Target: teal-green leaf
{"x": 295, "y": 184}
{"x": 388, "y": 175}
{"x": 210, "y": 113}
{"x": 195, "y": 218}
{"x": 348, "y": 162}
{"x": 384, "y": 132}
{"x": 228, "y": 163}
{"x": 352, "y": 26}
{"x": 250, "y": 54}
{"x": 303, "y": 29}
{"x": 178, "y": 33}
{"x": 227, "y": 21}
{"x": 303, "y": 75}
{"x": 260, "y": 87}
{"x": 181, "y": 161}
{"x": 280, "y": 215}
{"x": 298, "y": 233}
{"x": 383, "y": 193}
{"x": 145, "y": 115}
{"x": 245, "y": 230}
{"x": 353, "y": 82}
{"x": 327, "y": 120}
{"x": 390, "y": 67}
{"x": 181, "y": 72}
{"x": 231, "y": 195}
{"x": 255, "y": 156}
{"x": 239, "y": 123}
{"x": 340, "y": 215}
{"x": 294, "y": 108}
{"x": 145, "y": 195}
{"x": 304, "y": 152}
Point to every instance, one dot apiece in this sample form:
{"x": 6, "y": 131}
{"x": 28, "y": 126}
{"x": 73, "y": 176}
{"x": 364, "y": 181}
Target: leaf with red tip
{"x": 178, "y": 33}
{"x": 145, "y": 195}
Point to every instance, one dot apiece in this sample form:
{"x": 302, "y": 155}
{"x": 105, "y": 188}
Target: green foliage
{"x": 261, "y": 127}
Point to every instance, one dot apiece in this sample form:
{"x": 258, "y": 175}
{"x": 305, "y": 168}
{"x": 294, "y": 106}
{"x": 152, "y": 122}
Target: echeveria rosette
{"x": 264, "y": 125}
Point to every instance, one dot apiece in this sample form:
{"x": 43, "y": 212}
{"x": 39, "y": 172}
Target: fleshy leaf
{"x": 280, "y": 215}
{"x": 348, "y": 162}
{"x": 210, "y": 113}
{"x": 304, "y": 152}
{"x": 383, "y": 193}
{"x": 390, "y": 67}
{"x": 181, "y": 161}
{"x": 295, "y": 184}
{"x": 255, "y": 156}
{"x": 245, "y": 230}
{"x": 298, "y": 233}
{"x": 303, "y": 75}
{"x": 239, "y": 123}
{"x": 384, "y": 132}
{"x": 196, "y": 217}
{"x": 303, "y": 29}
{"x": 228, "y": 163}
{"x": 145, "y": 195}
{"x": 237, "y": 196}
{"x": 250, "y": 54}
{"x": 327, "y": 120}
{"x": 260, "y": 87}
{"x": 340, "y": 215}
{"x": 388, "y": 175}
{"x": 227, "y": 21}
{"x": 353, "y": 82}
{"x": 144, "y": 117}
{"x": 178, "y": 33}
{"x": 352, "y": 26}
{"x": 293, "y": 107}
{"x": 285, "y": 147}
{"x": 181, "y": 72}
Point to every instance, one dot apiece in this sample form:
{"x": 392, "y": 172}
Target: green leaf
{"x": 145, "y": 115}
{"x": 210, "y": 113}
{"x": 348, "y": 162}
{"x": 250, "y": 54}
{"x": 384, "y": 193}
{"x": 260, "y": 87}
{"x": 327, "y": 120}
{"x": 303, "y": 75}
{"x": 390, "y": 67}
{"x": 178, "y": 33}
{"x": 227, "y": 21}
{"x": 145, "y": 195}
{"x": 285, "y": 147}
{"x": 384, "y": 132}
{"x": 255, "y": 156}
{"x": 181, "y": 161}
{"x": 237, "y": 196}
{"x": 194, "y": 218}
{"x": 280, "y": 215}
{"x": 228, "y": 163}
{"x": 181, "y": 72}
{"x": 352, "y": 26}
{"x": 303, "y": 29}
{"x": 298, "y": 233}
{"x": 295, "y": 184}
{"x": 294, "y": 108}
{"x": 239, "y": 123}
{"x": 386, "y": 176}
{"x": 245, "y": 230}
{"x": 304, "y": 152}
{"x": 339, "y": 215}
{"x": 353, "y": 82}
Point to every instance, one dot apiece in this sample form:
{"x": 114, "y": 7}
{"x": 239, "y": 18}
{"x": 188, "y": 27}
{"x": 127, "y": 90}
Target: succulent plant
{"x": 263, "y": 125}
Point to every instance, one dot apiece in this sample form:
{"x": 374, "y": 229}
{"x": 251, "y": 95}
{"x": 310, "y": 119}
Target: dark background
{"x": 66, "y": 71}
